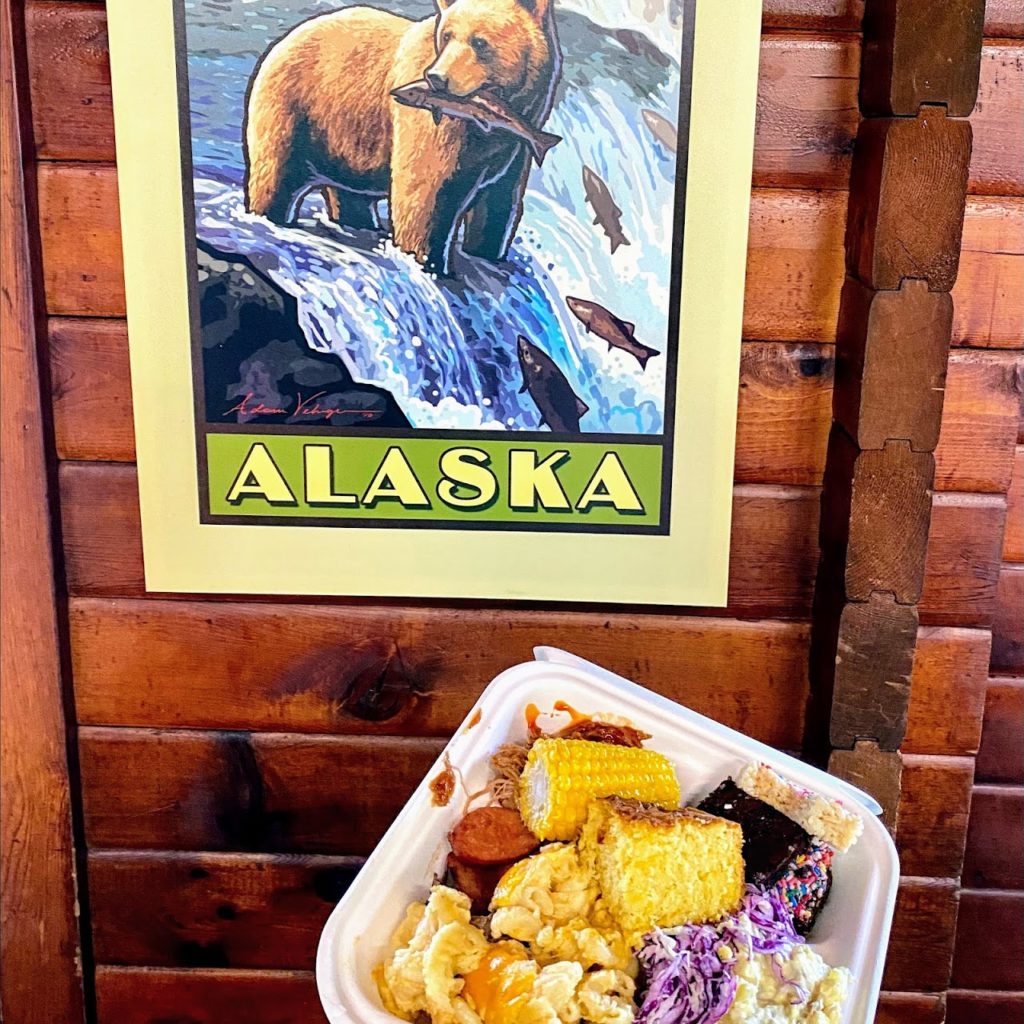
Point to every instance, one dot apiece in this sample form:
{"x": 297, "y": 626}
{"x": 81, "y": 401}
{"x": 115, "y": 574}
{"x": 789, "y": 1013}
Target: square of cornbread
{"x": 662, "y": 868}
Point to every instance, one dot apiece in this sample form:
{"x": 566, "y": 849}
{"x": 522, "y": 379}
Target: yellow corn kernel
{"x": 562, "y": 777}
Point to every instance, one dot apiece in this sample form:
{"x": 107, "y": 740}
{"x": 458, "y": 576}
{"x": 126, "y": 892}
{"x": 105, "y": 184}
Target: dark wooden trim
{"x": 40, "y": 952}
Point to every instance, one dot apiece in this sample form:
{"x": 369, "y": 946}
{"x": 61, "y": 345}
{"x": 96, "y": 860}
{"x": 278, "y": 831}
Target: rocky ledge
{"x": 257, "y": 365}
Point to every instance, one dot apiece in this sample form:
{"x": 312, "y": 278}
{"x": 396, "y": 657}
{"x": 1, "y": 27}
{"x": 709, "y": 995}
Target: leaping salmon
{"x": 484, "y": 110}
{"x": 662, "y": 129}
{"x": 606, "y": 213}
{"x": 607, "y": 326}
{"x": 560, "y": 407}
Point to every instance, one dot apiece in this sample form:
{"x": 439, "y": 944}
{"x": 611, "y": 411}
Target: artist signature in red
{"x": 309, "y": 407}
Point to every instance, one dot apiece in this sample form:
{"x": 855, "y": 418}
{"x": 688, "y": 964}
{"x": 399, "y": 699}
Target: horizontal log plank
{"x": 266, "y": 792}
{"x": 983, "y": 398}
{"x": 139, "y": 995}
{"x": 920, "y": 953}
{"x": 990, "y": 940}
{"x": 961, "y": 576}
{"x": 134, "y": 995}
{"x": 276, "y": 666}
{"x": 967, "y": 1007}
{"x": 166, "y": 664}
{"x": 206, "y": 906}
{"x": 1008, "y": 625}
{"x": 1013, "y": 541}
{"x": 1002, "y": 17}
{"x": 289, "y": 793}
{"x": 785, "y": 408}
{"x": 997, "y": 168}
{"x": 772, "y": 565}
{"x": 990, "y": 272}
{"x": 950, "y": 670}
{"x": 1001, "y": 755}
{"x": 795, "y": 259}
{"x": 807, "y": 102}
{"x": 994, "y": 858}
{"x": 911, "y": 1008}
{"x": 213, "y": 910}
{"x": 935, "y": 801}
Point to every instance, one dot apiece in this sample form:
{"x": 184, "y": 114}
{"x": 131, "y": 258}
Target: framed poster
{"x": 436, "y": 297}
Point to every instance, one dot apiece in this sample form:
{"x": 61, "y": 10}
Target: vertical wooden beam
{"x": 40, "y": 969}
{"x": 908, "y": 188}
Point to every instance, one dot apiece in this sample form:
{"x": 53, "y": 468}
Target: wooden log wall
{"x": 991, "y": 988}
{"x": 226, "y": 782}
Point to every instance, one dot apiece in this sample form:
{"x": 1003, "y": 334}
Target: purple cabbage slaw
{"x": 690, "y": 970}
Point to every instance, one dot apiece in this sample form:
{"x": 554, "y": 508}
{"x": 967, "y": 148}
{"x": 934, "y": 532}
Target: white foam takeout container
{"x": 852, "y": 931}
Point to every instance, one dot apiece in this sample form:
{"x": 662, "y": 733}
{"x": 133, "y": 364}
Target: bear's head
{"x": 504, "y": 46}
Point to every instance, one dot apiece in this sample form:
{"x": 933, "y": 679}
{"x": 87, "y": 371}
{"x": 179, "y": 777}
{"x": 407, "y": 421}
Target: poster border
{"x": 688, "y": 566}
{"x": 665, "y": 439}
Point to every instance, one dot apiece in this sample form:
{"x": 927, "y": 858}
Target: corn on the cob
{"x": 562, "y": 777}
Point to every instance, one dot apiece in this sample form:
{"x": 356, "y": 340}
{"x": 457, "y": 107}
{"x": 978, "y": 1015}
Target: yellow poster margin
{"x": 689, "y": 566}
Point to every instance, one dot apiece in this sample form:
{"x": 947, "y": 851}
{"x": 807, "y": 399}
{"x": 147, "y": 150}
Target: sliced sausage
{"x": 476, "y": 882}
{"x": 492, "y": 835}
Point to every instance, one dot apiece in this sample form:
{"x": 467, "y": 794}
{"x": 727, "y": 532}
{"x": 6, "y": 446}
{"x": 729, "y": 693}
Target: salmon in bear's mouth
{"x": 484, "y": 108}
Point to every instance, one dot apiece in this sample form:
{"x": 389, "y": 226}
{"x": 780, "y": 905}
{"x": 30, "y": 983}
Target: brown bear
{"x": 320, "y": 115}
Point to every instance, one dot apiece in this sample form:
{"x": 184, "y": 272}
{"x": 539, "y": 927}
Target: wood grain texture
{"x": 264, "y": 792}
{"x": 950, "y": 670}
{"x": 918, "y": 53}
{"x": 773, "y": 559}
{"x": 878, "y": 772}
{"x": 1002, "y": 17}
{"x": 911, "y": 1008}
{"x": 999, "y": 109}
{"x": 907, "y": 186}
{"x": 920, "y": 954}
{"x": 984, "y": 392}
{"x": 213, "y": 910}
{"x": 807, "y": 100}
{"x": 875, "y": 518}
{"x": 794, "y": 260}
{"x": 934, "y": 807}
{"x": 1013, "y": 539}
{"x": 994, "y": 858}
{"x": 204, "y": 910}
{"x": 874, "y": 657}
{"x": 984, "y": 915}
{"x": 40, "y": 976}
{"x": 156, "y": 664}
{"x": 990, "y": 276}
{"x": 892, "y": 350}
{"x": 290, "y": 793}
{"x": 1001, "y": 756}
{"x": 273, "y": 666}
{"x": 785, "y": 408}
{"x": 91, "y": 389}
{"x": 1008, "y": 624}
{"x": 133, "y": 995}
{"x": 967, "y": 1007}
{"x": 69, "y": 57}
{"x": 80, "y": 226}
{"x": 960, "y": 588}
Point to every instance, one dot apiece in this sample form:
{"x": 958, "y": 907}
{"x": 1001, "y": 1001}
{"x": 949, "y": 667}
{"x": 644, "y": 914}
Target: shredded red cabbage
{"x": 689, "y": 970}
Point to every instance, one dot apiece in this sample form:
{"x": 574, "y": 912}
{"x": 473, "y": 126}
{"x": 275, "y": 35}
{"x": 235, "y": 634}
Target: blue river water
{"x": 446, "y": 348}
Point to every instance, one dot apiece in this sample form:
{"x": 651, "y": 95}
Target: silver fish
{"x": 487, "y": 112}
